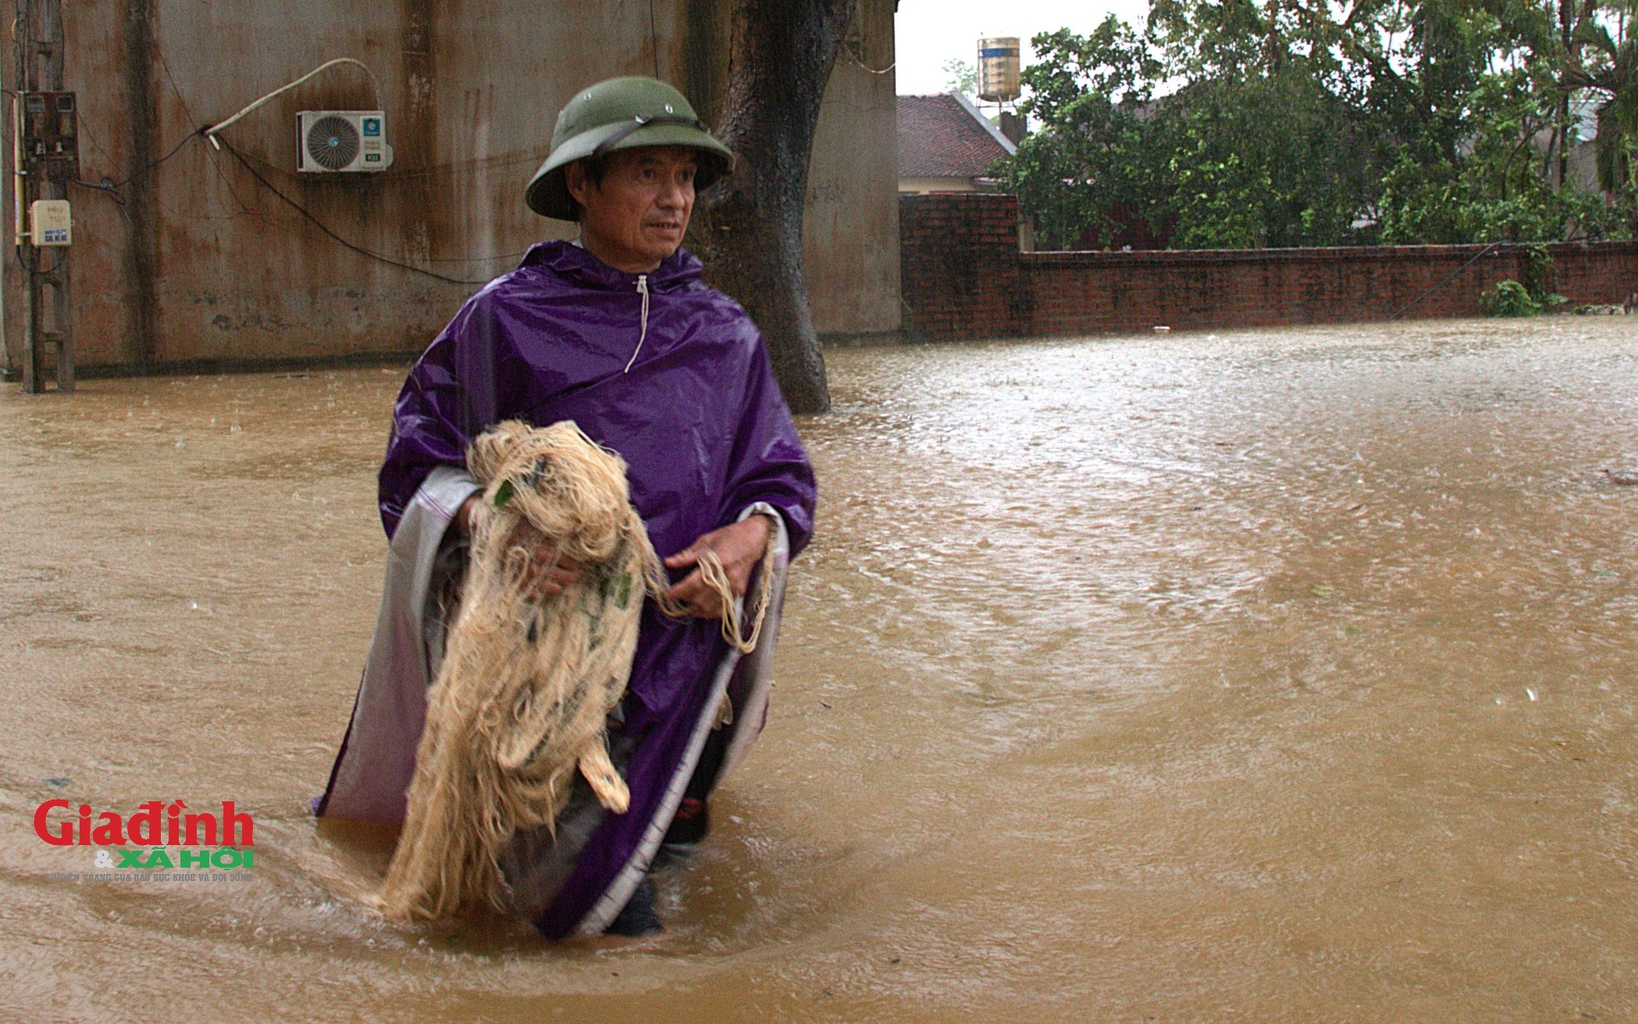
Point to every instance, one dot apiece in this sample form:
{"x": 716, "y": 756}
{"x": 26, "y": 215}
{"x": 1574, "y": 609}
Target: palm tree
{"x": 1615, "y": 76}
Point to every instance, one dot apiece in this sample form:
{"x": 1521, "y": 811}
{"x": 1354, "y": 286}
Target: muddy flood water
{"x": 1263, "y": 676}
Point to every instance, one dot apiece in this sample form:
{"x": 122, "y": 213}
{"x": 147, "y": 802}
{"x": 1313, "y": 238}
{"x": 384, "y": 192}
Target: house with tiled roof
{"x": 946, "y": 145}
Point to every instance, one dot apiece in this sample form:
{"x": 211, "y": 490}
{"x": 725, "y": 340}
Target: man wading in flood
{"x": 615, "y": 332}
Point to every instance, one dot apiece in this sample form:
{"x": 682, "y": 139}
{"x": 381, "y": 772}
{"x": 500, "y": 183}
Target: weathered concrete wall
{"x": 963, "y": 277}
{"x": 198, "y": 260}
{"x": 852, "y": 216}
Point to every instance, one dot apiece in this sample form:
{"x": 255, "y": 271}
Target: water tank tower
{"x": 998, "y": 69}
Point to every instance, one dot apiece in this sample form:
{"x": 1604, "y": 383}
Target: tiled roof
{"x": 945, "y": 137}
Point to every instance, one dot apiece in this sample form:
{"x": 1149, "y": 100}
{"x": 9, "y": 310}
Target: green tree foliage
{"x": 1596, "y": 62}
{"x": 962, "y": 76}
{"x": 1238, "y": 123}
{"x": 1097, "y": 164}
{"x": 1509, "y": 298}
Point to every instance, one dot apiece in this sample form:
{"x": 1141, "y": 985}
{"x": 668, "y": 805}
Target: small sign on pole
{"x": 51, "y": 222}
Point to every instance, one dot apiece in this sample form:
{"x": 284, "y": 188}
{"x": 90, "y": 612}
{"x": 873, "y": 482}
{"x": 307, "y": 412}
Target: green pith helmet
{"x": 622, "y": 113}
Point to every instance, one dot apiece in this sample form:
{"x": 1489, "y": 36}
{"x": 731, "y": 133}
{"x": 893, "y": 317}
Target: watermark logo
{"x": 152, "y": 830}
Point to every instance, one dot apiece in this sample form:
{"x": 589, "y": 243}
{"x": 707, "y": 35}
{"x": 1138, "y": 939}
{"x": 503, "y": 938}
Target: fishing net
{"x": 520, "y": 701}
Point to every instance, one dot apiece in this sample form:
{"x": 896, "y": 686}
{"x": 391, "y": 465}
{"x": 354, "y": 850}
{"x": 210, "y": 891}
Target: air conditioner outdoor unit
{"x": 343, "y": 140}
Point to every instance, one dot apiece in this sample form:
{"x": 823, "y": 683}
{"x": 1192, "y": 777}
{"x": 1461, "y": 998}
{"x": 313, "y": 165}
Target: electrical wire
{"x": 212, "y": 132}
{"x": 160, "y": 53}
{"x": 337, "y": 238}
{"x": 387, "y": 177}
{"x": 859, "y": 60}
{"x": 106, "y": 187}
{"x": 112, "y": 189}
{"x": 429, "y": 170}
{"x": 216, "y": 165}
{"x": 1448, "y": 278}
{"x": 152, "y": 165}
{"x": 475, "y": 259}
{"x": 62, "y": 258}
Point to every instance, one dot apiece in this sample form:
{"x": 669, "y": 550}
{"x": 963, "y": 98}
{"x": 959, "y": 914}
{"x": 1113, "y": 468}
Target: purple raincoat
{"x": 679, "y": 384}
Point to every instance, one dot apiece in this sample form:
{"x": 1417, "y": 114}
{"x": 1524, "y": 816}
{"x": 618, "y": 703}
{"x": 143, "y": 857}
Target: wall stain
{"x": 142, "y": 258}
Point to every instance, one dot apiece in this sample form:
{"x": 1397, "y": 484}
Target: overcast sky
{"x": 930, "y": 32}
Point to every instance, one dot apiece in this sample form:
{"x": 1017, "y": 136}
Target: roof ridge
{"x": 968, "y": 105}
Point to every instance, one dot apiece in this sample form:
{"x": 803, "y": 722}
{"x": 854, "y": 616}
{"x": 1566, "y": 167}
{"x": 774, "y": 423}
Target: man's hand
{"x": 544, "y": 577}
{"x": 739, "y": 547}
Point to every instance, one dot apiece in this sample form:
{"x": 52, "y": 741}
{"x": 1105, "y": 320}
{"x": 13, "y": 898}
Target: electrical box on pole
{"x": 46, "y": 157}
{"x": 50, "y": 223}
{"x": 51, "y": 148}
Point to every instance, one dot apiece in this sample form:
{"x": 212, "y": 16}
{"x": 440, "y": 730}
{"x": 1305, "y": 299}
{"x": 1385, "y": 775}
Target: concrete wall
{"x": 925, "y": 185}
{"x": 201, "y": 261}
{"x": 963, "y": 277}
{"x": 850, "y": 229}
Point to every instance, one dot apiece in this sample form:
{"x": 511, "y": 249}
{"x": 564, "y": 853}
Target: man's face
{"x": 636, "y": 217}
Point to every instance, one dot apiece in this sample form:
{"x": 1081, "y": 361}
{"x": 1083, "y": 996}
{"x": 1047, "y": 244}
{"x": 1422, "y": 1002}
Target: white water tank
{"x": 998, "y": 69}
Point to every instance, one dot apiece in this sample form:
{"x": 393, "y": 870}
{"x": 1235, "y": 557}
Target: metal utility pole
{"x": 45, "y": 136}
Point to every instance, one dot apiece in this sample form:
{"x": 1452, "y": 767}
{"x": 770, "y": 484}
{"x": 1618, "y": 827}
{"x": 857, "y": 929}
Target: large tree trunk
{"x": 751, "y": 230}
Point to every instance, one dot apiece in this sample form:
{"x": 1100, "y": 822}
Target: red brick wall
{"x": 962, "y": 277}
{"x": 959, "y": 271}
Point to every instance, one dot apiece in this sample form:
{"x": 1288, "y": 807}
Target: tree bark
{"x": 750, "y": 234}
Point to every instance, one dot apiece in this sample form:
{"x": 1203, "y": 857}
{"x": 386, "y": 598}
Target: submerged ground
{"x": 1273, "y": 676}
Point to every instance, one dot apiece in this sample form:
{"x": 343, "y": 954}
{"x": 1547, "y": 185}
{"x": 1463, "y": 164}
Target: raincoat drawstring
{"x": 642, "y": 289}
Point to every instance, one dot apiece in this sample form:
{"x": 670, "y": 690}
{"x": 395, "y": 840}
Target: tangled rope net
{"x": 520, "y": 701}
